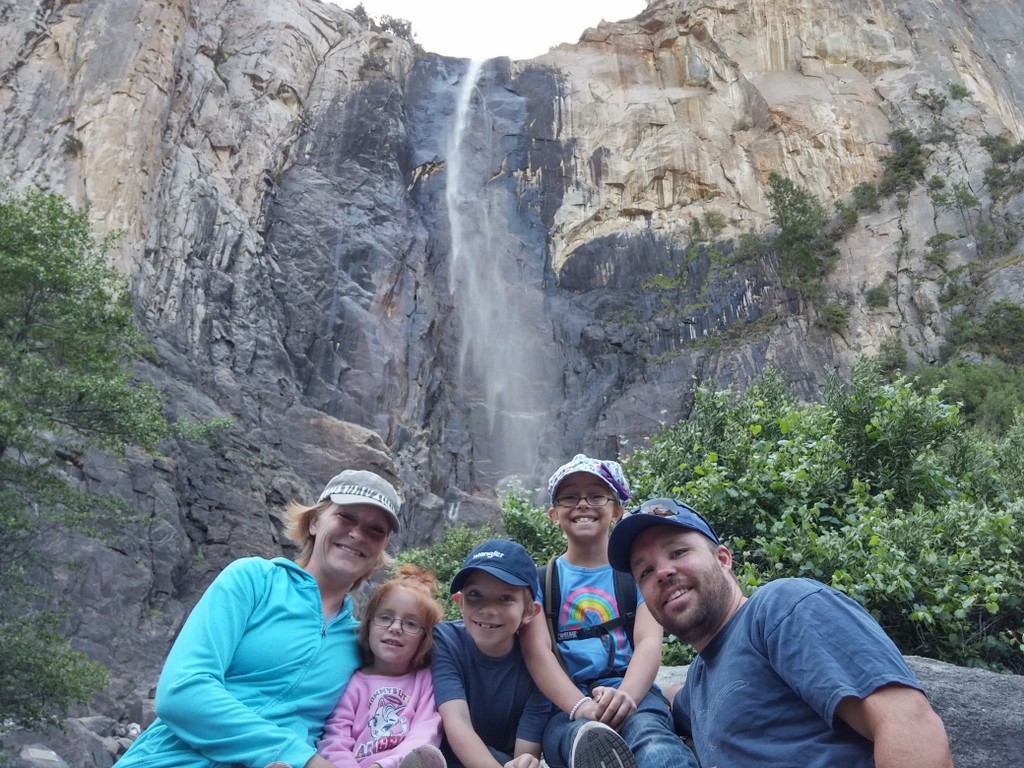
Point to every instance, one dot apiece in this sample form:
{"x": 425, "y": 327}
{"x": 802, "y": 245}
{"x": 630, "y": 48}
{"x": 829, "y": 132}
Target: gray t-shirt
{"x": 765, "y": 690}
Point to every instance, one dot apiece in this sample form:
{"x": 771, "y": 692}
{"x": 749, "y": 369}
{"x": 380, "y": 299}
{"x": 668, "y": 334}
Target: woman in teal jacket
{"x": 265, "y": 654}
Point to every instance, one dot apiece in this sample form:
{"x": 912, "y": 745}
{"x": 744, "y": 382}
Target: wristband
{"x": 576, "y": 707}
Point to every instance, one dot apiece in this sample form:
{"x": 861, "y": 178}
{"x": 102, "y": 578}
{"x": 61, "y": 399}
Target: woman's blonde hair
{"x": 299, "y": 518}
{"x": 423, "y": 586}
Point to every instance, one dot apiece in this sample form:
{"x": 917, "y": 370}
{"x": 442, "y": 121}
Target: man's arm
{"x": 464, "y": 741}
{"x": 906, "y": 731}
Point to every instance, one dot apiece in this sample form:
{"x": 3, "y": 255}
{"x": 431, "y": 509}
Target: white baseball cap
{"x": 357, "y": 486}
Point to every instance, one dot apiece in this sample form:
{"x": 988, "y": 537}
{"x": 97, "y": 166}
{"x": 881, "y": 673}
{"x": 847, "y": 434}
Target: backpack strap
{"x": 552, "y": 602}
{"x": 625, "y": 596}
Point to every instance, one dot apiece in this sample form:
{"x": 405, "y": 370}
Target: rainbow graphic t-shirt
{"x": 588, "y": 599}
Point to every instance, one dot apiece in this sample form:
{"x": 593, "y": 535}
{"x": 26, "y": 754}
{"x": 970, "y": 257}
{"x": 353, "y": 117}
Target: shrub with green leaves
{"x": 998, "y": 334}
{"x": 990, "y": 395}
{"x": 958, "y": 91}
{"x": 880, "y": 491}
{"x": 877, "y": 296}
{"x": 835, "y": 315}
{"x": 865, "y": 197}
{"x": 904, "y": 168}
{"x": 531, "y": 526}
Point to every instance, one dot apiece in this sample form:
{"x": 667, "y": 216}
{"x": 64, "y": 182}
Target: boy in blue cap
{"x": 608, "y": 711}
{"x": 493, "y": 714}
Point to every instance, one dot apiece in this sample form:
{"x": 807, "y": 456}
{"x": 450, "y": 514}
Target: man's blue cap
{"x": 505, "y": 560}
{"x": 653, "y": 512}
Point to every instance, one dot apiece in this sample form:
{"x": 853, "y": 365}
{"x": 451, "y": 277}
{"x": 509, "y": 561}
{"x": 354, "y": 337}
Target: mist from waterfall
{"x": 496, "y": 364}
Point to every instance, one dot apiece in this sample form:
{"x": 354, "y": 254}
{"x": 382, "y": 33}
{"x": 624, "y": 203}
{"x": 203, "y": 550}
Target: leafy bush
{"x": 372, "y": 62}
{"x": 714, "y": 223}
{"x": 531, "y": 526}
{"x": 65, "y": 334}
{"x": 865, "y": 197}
{"x": 835, "y": 316}
{"x": 1000, "y": 333}
{"x": 846, "y": 218}
{"x": 400, "y": 28}
{"x": 359, "y": 14}
{"x": 880, "y": 491}
{"x": 934, "y": 100}
{"x": 1002, "y": 179}
{"x": 1002, "y": 150}
{"x": 892, "y": 355}
{"x": 71, "y": 145}
{"x": 37, "y": 662}
{"x": 67, "y": 340}
{"x": 989, "y": 394}
{"x": 938, "y": 248}
{"x": 939, "y": 239}
{"x": 749, "y": 247}
{"x": 958, "y": 91}
{"x": 878, "y": 296}
{"x": 905, "y": 167}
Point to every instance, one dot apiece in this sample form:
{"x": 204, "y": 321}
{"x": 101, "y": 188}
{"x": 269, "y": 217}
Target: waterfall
{"x": 496, "y": 365}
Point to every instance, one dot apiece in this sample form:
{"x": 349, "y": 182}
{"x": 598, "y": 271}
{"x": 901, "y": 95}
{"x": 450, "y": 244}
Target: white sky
{"x": 519, "y": 29}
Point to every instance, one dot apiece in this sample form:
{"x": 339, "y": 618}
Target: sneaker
{"x": 598, "y": 746}
{"x": 427, "y": 756}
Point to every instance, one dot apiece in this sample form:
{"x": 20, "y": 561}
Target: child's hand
{"x": 523, "y": 761}
{"x": 614, "y": 706}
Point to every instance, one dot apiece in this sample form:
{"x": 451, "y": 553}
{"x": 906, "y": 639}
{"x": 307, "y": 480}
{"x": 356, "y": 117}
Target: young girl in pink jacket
{"x": 386, "y": 717}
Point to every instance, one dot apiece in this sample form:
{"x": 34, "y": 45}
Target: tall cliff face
{"x": 459, "y": 276}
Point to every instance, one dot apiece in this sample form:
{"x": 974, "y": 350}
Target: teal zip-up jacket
{"x": 253, "y": 674}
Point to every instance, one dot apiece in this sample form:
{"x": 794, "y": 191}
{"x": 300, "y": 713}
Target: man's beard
{"x": 706, "y": 615}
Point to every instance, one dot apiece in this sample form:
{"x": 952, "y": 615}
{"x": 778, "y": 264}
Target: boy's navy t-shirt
{"x": 504, "y": 704}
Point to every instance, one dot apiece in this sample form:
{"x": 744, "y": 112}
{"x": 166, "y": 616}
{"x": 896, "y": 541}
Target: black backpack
{"x": 625, "y": 596}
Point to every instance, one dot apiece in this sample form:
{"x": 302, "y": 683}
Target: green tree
{"x": 805, "y": 248}
{"x": 66, "y": 337}
{"x": 865, "y": 197}
{"x": 905, "y": 167}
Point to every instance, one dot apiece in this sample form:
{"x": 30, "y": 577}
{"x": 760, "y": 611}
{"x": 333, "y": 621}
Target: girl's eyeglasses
{"x": 386, "y": 621}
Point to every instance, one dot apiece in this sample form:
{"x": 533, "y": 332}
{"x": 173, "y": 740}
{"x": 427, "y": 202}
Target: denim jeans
{"x": 648, "y": 732}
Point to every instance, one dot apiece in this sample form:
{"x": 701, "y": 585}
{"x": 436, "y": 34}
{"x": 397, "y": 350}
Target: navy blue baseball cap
{"x": 505, "y": 560}
{"x": 653, "y": 512}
